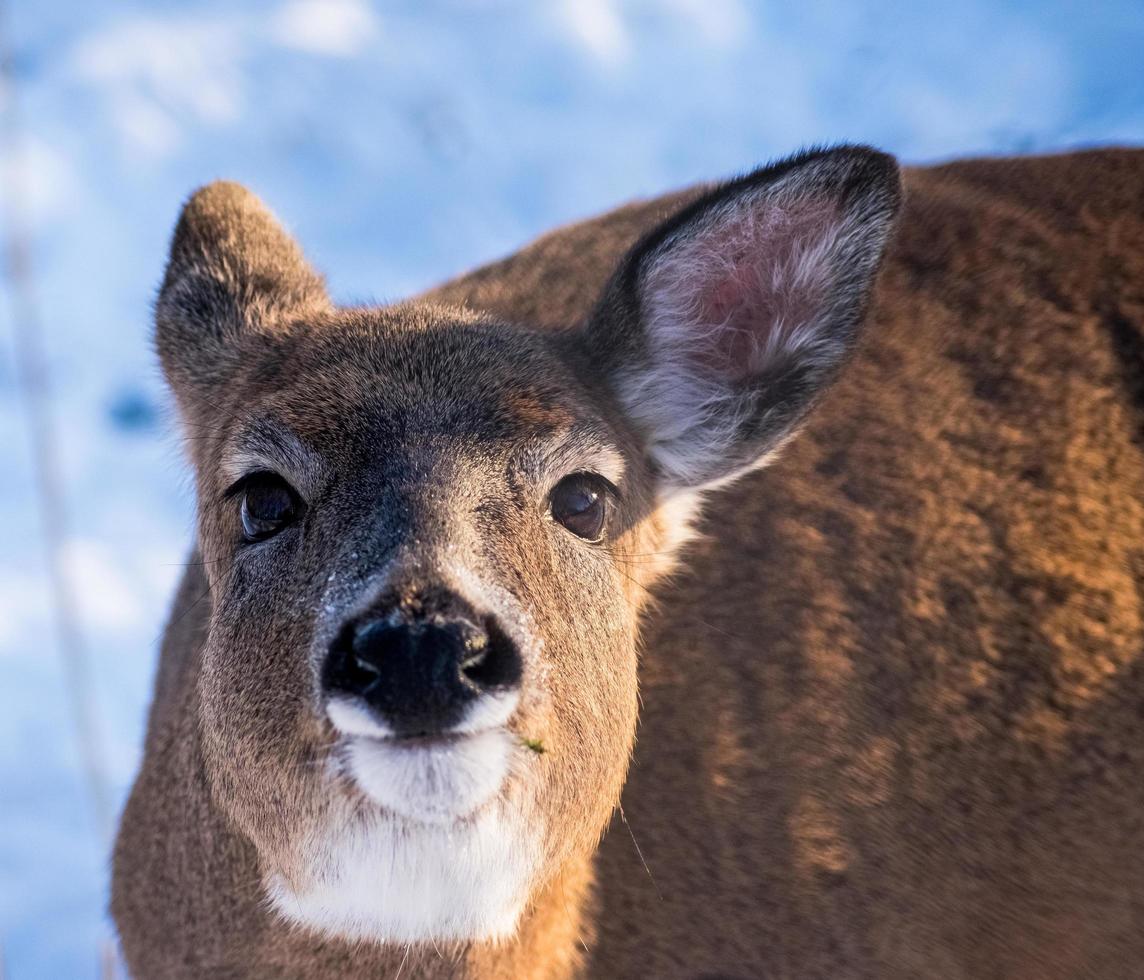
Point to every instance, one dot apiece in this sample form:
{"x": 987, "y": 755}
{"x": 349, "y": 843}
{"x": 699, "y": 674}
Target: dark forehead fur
{"x": 416, "y": 368}
{"x": 241, "y": 317}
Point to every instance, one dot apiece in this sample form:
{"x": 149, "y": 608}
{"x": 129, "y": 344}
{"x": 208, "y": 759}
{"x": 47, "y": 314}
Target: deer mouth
{"x": 425, "y": 740}
{"x": 431, "y": 778}
{"x": 428, "y": 775}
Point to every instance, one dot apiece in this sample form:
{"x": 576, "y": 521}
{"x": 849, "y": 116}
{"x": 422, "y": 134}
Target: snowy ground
{"x": 402, "y": 143}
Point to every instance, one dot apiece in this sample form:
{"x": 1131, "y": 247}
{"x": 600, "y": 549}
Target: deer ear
{"x": 233, "y": 270}
{"x": 722, "y": 327}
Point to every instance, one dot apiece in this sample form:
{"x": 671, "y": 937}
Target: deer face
{"x": 422, "y": 647}
{"x": 424, "y": 531}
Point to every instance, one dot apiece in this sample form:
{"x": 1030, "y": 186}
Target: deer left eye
{"x": 269, "y": 505}
{"x": 579, "y": 502}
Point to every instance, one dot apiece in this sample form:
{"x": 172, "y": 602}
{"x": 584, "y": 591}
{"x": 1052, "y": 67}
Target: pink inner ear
{"x": 746, "y": 284}
{"x": 743, "y": 320}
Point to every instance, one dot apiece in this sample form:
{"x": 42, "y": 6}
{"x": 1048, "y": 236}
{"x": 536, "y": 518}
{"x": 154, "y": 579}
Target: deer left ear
{"x": 233, "y": 271}
{"x": 722, "y": 327}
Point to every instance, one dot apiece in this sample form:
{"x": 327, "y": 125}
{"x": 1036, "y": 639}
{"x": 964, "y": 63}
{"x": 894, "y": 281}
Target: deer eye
{"x": 579, "y": 502}
{"x": 269, "y": 504}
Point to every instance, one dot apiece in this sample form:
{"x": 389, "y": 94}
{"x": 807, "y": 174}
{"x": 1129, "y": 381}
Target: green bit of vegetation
{"x": 533, "y": 744}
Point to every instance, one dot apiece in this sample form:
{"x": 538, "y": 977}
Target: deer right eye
{"x": 579, "y": 502}
{"x": 269, "y": 505}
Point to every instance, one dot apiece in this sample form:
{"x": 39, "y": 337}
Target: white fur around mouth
{"x": 431, "y": 781}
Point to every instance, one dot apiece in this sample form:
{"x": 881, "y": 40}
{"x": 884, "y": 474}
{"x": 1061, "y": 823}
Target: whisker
{"x": 401, "y": 965}
{"x": 624, "y": 818}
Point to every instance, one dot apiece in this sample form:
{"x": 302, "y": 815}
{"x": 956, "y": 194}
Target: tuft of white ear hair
{"x": 747, "y": 308}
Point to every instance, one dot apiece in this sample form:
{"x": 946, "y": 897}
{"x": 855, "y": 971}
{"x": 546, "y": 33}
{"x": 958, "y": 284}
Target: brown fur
{"x": 891, "y": 698}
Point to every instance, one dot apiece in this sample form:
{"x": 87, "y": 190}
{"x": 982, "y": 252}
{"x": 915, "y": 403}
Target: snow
{"x": 403, "y": 143}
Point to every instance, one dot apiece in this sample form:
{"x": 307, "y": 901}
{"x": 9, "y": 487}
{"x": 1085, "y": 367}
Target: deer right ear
{"x": 232, "y": 270}
{"x": 722, "y": 327}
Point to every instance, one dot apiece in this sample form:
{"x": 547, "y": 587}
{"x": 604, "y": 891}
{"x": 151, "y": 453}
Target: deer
{"x": 746, "y": 583}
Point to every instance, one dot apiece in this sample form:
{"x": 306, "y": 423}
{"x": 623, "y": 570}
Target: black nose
{"x": 420, "y": 664}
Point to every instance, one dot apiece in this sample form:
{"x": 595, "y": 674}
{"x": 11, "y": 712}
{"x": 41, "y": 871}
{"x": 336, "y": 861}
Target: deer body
{"x": 891, "y": 692}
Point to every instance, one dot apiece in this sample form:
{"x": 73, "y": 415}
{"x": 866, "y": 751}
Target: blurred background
{"x": 403, "y": 143}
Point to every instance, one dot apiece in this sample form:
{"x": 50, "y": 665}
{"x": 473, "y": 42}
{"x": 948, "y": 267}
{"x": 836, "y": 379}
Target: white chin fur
{"x": 377, "y": 876}
{"x": 445, "y": 855}
{"x": 435, "y": 783}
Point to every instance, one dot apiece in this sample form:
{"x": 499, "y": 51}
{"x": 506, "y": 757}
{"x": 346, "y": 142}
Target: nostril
{"x": 491, "y": 659}
{"x": 356, "y": 661}
{"x": 475, "y": 656}
{"x": 368, "y": 670}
